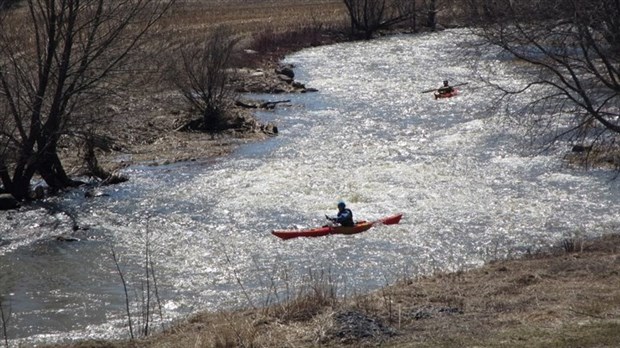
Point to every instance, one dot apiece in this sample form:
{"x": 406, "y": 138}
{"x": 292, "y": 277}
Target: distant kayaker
{"x": 446, "y": 88}
{"x": 344, "y": 217}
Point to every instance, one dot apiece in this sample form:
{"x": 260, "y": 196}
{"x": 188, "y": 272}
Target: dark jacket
{"x": 445, "y": 89}
{"x": 345, "y": 217}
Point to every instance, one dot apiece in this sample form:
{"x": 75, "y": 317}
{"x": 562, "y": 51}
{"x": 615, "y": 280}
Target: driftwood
{"x": 95, "y": 170}
{"x": 8, "y": 202}
{"x": 264, "y": 105}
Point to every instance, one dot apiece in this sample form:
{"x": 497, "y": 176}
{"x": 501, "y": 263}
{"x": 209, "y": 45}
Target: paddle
{"x": 331, "y": 220}
{"x": 434, "y": 89}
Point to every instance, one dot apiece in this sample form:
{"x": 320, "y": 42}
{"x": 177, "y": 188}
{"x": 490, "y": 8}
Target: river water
{"x": 470, "y": 188}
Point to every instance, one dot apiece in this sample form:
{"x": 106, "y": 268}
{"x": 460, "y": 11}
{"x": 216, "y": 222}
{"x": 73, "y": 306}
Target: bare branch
{"x": 73, "y": 52}
{"x": 207, "y": 71}
{"x": 128, "y": 310}
{"x": 573, "y": 51}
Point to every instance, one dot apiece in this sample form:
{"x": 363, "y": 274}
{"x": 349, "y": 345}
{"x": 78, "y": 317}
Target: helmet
{"x": 445, "y": 82}
{"x": 341, "y": 204}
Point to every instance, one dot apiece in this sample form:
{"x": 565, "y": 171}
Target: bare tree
{"x": 478, "y": 10}
{"x": 205, "y": 78}
{"x": 572, "y": 50}
{"x": 57, "y": 58}
{"x": 431, "y": 21}
{"x": 408, "y": 9}
{"x": 369, "y": 16}
{"x": 124, "y": 282}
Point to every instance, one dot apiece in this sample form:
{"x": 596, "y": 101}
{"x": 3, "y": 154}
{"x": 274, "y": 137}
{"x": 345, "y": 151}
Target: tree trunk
{"x": 432, "y": 15}
{"x": 18, "y": 182}
{"x": 51, "y": 170}
{"x": 92, "y": 163}
{"x": 19, "y": 187}
{"x": 74, "y": 48}
{"x": 414, "y": 24}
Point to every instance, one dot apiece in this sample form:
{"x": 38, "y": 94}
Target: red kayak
{"x": 446, "y": 95}
{"x": 360, "y": 226}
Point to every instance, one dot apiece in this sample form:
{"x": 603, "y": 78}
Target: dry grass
{"x": 551, "y": 299}
{"x": 189, "y": 22}
{"x": 272, "y": 28}
{"x": 601, "y": 156}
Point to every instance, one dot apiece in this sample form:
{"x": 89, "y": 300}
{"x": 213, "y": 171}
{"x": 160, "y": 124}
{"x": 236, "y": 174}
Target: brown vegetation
{"x": 565, "y": 297}
{"x": 265, "y": 31}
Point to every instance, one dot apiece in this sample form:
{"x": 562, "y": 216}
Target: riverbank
{"x": 144, "y": 124}
{"x": 567, "y": 296}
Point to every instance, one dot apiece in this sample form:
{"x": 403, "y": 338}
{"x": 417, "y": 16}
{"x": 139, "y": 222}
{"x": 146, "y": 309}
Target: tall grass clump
{"x": 271, "y": 43}
{"x": 146, "y": 296}
{"x": 5, "y": 316}
{"x": 319, "y": 290}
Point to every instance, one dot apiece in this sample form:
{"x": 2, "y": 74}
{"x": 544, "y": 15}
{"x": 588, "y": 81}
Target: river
{"x": 470, "y": 187}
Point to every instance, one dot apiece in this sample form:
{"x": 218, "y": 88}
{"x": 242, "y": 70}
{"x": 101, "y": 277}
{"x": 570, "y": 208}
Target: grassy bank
{"x": 568, "y": 296}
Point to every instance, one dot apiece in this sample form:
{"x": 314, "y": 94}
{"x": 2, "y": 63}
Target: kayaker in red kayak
{"x": 344, "y": 217}
{"x": 446, "y": 89}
